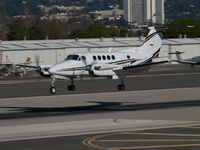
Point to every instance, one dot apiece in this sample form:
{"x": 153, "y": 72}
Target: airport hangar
{"x": 53, "y": 51}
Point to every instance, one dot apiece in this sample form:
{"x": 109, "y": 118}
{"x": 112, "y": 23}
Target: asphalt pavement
{"x": 159, "y": 110}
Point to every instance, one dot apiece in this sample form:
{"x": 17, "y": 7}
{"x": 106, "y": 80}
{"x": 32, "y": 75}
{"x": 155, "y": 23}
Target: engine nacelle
{"x": 103, "y": 70}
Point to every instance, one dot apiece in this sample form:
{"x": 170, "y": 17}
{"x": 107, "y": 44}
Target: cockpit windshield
{"x": 73, "y": 57}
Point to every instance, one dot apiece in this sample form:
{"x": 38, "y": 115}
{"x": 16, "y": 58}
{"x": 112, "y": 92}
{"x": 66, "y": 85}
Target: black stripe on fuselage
{"x": 149, "y": 37}
{"x": 150, "y": 59}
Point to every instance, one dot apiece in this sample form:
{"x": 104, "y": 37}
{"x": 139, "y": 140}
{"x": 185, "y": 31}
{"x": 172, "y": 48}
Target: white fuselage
{"x": 101, "y": 63}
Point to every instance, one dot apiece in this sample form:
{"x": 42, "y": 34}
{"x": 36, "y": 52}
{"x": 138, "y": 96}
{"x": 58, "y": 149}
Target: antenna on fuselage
{"x": 110, "y": 49}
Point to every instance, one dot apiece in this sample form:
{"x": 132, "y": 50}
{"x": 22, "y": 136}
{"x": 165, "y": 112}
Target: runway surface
{"x": 184, "y": 138}
{"x": 161, "y": 79}
{"x": 159, "y": 110}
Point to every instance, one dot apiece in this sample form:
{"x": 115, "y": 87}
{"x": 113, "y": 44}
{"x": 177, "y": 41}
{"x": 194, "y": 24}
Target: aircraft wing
{"x": 29, "y": 66}
{"x": 186, "y": 62}
{"x": 136, "y": 68}
{"x": 144, "y": 65}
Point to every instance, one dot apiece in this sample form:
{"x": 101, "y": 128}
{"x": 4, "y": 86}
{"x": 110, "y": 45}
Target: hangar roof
{"x": 85, "y": 43}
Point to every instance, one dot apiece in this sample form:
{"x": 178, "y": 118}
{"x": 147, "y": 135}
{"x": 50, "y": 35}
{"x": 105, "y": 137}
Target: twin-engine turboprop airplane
{"x": 108, "y": 64}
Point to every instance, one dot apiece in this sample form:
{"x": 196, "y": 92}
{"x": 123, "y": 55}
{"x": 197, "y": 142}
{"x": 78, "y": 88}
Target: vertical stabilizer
{"x": 153, "y": 42}
{"x": 178, "y": 55}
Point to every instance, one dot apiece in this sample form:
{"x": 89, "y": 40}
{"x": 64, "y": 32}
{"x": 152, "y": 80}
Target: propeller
{"x": 41, "y": 68}
{"x": 37, "y": 61}
{"x": 88, "y": 67}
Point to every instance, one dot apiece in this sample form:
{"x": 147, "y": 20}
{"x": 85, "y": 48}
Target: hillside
{"x": 174, "y": 9}
{"x": 16, "y": 7}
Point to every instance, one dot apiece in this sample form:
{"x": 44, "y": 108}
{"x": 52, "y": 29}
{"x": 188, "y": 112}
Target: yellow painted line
{"x": 164, "y": 134}
{"x": 90, "y": 141}
{"x": 155, "y": 140}
{"x": 150, "y": 147}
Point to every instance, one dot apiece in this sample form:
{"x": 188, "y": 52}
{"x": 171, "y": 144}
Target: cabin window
{"x": 94, "y": 58}
{"x": 128, "y": 56}
{"x": 104, "y": 57}
{"x": 108, "y": 57}
{"x": 72, "y": 57}
{"x": 113, "y": 57}
{"x": 99, "y": 57}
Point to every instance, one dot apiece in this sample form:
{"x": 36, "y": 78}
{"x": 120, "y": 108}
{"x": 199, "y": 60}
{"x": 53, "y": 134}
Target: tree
{"x": 113, "y": 32}
{"x": 95, "y": 31}
{"x": 54, "y": 31}
{"x": 4, "y": 21}
{"x": 17, "y": 31}
{"x": 184, "y": 26}
{"x": 36, "y": 32}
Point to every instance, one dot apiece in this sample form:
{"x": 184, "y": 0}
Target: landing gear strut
{"x": 121, "y": 87}
{"x": 72, "y": 86}
{"x": 52, "y": 88}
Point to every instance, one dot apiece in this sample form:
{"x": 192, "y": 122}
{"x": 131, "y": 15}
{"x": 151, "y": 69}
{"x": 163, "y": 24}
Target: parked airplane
{"x": 191, "y": 61}
{"x": 108, "y": 64}
{"x": 41, "y": 69}
{"x": 11, "y": 69}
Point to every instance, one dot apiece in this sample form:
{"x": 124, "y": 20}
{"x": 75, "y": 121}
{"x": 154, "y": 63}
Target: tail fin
{"x": 28, "y": 60}
{"x": 153, "y": 42}
{"x": 178, "y": 55}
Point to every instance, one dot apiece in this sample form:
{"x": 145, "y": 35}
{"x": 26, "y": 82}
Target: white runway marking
{"x": 60, "y": 129}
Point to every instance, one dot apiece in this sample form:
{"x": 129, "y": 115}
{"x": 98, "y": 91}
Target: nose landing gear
{"x": 71, "y": 87}
{"x": 52, "y": 88}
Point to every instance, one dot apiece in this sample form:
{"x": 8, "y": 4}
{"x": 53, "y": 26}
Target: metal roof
{"x": 85, "y": 43}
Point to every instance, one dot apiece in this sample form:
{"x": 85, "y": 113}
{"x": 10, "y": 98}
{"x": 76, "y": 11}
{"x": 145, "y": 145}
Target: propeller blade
{"x": 37, "y": 60}
{"x": 88, "y": 67}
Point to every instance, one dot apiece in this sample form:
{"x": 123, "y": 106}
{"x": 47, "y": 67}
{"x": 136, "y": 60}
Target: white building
{"x": 53, "y": 51}
{"x": 144, "y": 11}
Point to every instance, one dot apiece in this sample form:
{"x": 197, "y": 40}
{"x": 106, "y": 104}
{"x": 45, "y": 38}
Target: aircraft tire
{"x": 53, "y": 90}
{"x": 71, "y": 88}
{"x": 121, "y": 87}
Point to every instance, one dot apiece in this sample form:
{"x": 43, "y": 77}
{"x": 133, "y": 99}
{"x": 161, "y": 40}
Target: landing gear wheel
{"x": 121, "y": 87}
{"x": 53, "y": 90}
{"x": 71, "y": 88}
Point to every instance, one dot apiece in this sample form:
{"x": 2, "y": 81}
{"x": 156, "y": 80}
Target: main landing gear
{"x": 71, "y": 87}
{"x": 121, "y": 87}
